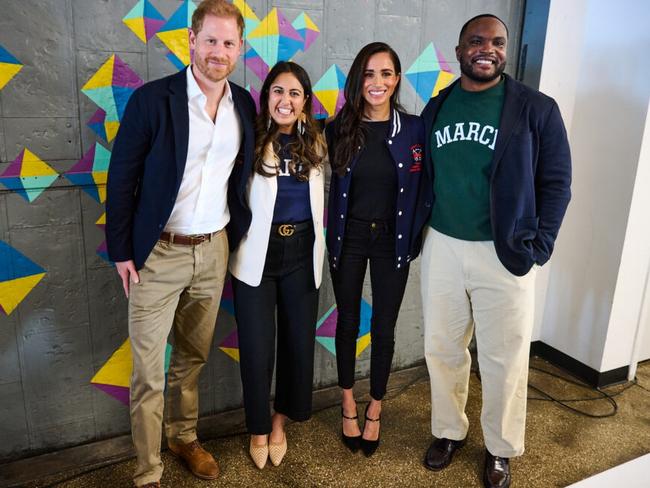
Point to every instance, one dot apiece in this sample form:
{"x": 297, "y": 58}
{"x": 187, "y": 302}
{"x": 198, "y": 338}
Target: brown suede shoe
{"x": 199, "y": 461}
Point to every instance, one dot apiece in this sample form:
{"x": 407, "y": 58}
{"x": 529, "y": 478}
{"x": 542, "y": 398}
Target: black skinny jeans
{"x": 288, "y": 284}
{"x": 365, "y": 242}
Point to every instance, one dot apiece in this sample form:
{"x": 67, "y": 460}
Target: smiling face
{"x": 216, "y": 48}
{"x": 379, "y": 82}
{"x": 286, "y": 101}
{"x": 482, "y": 54}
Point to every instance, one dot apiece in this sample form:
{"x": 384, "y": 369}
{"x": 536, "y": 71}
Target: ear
{"x": 458, "y": 49}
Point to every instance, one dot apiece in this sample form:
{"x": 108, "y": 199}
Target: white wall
{"x": 595, "y": 67}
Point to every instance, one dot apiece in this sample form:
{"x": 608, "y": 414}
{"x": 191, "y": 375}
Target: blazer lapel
{"x": 248, "y": 139}
{"x": 513, "y": 105}
{"x": 180, "y": 120}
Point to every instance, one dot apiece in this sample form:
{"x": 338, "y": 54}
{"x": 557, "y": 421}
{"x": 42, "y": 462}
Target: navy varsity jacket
{"x": 405, "y": 144}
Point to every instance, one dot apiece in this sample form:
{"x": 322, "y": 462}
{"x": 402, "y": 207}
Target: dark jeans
{"x": 365, "y": 242}
{"x": 288, "y": 285}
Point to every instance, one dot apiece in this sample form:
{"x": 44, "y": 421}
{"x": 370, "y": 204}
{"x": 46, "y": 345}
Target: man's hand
{"x": 127, "y": 271}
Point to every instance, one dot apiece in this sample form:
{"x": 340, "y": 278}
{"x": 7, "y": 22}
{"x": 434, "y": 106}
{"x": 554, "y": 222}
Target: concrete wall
{"x": 71, "y": 322}
{"x": 595, "y": 282}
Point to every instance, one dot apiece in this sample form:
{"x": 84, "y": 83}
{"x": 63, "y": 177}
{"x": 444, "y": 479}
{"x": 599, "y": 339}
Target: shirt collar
{"x": 193, "y": 89}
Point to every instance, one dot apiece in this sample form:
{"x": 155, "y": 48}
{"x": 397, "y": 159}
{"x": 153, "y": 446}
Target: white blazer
{"x": 247, "y": 261}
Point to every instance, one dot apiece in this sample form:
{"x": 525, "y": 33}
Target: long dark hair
{"x": 307, "y": 150}
{"x": 349, "y": 133}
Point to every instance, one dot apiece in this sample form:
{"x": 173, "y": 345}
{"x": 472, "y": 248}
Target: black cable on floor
{"x": 564, "y": 402}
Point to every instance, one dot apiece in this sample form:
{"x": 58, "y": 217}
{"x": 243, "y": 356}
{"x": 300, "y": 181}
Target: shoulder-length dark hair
{"x": 308, "y": 148}
{"x": 349, "y": 132}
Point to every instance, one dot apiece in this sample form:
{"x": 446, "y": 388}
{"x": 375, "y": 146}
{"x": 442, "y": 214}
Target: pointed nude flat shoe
{"x": 259, "y": 454}
{"x": 278, "y": 450}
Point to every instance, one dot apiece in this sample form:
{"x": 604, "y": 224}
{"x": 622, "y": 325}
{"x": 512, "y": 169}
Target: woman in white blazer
{"x": 277, "y": 267}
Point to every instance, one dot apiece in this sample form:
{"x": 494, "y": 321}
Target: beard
{"x": 467, "y": 68}
{"x": 210, "y": 72}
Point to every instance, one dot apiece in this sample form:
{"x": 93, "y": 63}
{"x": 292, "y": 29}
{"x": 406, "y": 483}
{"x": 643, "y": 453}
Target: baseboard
{"x": 580, "y": 370}
{"x": 57, "y": 466}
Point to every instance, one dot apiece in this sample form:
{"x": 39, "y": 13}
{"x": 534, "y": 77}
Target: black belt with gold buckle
{"x": 287, "y": 230}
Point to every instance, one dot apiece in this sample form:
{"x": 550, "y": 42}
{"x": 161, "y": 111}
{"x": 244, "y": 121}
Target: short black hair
{"x": 480, "y": 16}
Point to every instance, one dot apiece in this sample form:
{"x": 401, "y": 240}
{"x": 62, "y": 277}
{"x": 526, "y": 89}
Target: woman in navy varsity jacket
{"x": 376, "y": 154}
{"x": 278, "y": 263}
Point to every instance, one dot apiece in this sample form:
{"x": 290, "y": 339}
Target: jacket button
{"x": 390, "y": 141}
{"x": 348, "y": 170}
{"x": 399, "y": 236}
{"x": 400, "y": 165}
{"x": 399, "y": 213}
{"x": 342, "y": 216}
{"x": 399, "y": 265}
{"x": 399, "y": 258}
{"x": 338, "y": 238}
{"x": 401, "y": 190}
{"x": 334, "y": 258}
{"x": 345, "y": 195}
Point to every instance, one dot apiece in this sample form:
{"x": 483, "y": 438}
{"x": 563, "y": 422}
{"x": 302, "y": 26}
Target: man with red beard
{"x": 177, "y": 178}
{"x": 498, "y": 167}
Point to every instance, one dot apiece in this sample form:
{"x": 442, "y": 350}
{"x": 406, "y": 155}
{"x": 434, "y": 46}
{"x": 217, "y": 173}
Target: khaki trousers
{"x": 465, "y": 287}
{"x": 180, "y": 287}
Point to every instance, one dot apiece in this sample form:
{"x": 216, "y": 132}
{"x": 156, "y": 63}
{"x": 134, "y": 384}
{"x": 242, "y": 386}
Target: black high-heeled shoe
{"x": 369, "y": 447}
{"x": 351, "y": 442}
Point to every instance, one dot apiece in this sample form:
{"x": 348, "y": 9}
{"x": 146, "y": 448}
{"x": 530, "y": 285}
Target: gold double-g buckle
{"x": 286, "y": 230}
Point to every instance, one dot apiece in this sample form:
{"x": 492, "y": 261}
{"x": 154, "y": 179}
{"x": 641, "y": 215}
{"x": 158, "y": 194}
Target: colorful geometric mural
{"x": 9, "y": 67}
{"x": 28, "y": 175}
{"x": 91, "y": 172}
{"x": 144, "y": 20}
{"x": 110, "y": 88}
{"x": 230, "y": 345}
{"x": 326, "y": 328}
{"x": 307, "y": 30}
{"x": 430, "y": 73}
{"x": 329, "y": 94}
{"x": 102, "y": 249}
{"x": 274, "y": 39}
{"x": 175, "y": 35}
{"x": 251, "y": 21}
{"x": 105, "y": 129}
{"x": 114, "y": 377}
{"x": 18, "y": 276}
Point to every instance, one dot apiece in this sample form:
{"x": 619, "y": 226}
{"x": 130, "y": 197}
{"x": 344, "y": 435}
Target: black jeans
{"x": 365, "y": 242}
{"x": 288, "y": 284}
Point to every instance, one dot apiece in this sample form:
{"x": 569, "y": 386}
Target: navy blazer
{"x": 404, "y": 143}
{"x": 530, "y": 177}
{"x": 147, "y": 165}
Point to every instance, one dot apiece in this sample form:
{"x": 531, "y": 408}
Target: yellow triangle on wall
{"x": 12, "y": 292}
{"x": 7, "y": 72}
{"x": 362, "y": 343}
{"x": 103, "y": 77}
{"x": 137, "y": 26}
{"x": 117, "y": 370}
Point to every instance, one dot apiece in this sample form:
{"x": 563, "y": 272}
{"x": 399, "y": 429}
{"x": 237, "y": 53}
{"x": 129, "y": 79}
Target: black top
{"x": 373, "y": 190}
{"x": 292, "y": 201}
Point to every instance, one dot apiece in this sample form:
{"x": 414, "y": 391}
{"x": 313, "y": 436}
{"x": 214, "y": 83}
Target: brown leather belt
{"x": 192, "y": 240}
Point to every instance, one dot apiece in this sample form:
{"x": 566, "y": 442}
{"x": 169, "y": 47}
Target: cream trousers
{"x": 465, "y": 288}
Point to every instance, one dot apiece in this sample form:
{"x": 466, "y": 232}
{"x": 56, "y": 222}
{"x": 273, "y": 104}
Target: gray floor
{"x": 562, "y": 447}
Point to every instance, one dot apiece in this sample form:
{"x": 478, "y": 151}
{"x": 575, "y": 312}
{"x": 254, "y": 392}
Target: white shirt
{"x": 201, "y": 206}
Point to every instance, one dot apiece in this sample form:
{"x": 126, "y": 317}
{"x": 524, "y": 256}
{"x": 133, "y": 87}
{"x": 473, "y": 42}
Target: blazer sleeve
{"x": 131, "y": 147}
{"x": 552, "y": 183}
